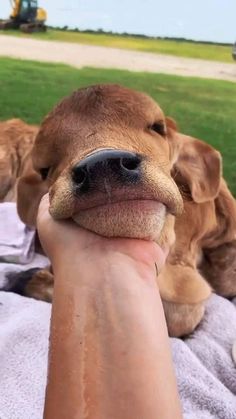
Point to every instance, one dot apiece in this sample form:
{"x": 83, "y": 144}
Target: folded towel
{"x": 206, "y": 374}
{"x": 16, "y": 240}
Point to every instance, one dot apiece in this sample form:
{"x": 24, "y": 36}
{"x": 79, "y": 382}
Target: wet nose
{"x": 116, "y": 165}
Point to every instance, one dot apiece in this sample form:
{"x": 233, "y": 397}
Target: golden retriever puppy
{"x": 204, "y": 248}
{"x": 117, "y": 166}
{"x": 16, "y": 140}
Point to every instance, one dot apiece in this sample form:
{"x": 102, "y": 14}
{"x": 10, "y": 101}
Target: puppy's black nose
{"x": 114, "y": 165}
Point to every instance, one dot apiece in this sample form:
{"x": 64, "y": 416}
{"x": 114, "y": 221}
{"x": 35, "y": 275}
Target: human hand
{"x": 63, "y": 240}
{"x": 107, "y": 312}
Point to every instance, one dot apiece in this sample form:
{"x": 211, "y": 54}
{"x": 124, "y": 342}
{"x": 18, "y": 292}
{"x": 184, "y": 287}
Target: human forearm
{"x": 109, "y": 355}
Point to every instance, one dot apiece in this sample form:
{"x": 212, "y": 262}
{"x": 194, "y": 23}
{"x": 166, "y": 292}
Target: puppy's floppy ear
{"x": 173, "y": 139}
{"x": 199, "y": 168}
{"x": 30, "y": 190}
{"x": 226, "y": 213}
{"x": 171, "y": 123}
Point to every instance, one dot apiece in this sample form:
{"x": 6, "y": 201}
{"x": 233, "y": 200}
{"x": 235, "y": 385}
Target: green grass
{"x": 202, "y": 108}
{"x": 160, "y": 46}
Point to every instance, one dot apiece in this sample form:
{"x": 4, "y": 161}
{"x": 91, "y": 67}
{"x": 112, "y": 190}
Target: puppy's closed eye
{"x": 158, "y": 127}
{"x": 44, "y": 172}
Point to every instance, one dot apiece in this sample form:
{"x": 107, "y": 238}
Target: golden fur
{"x": 16, "y": 140}
{"x": 113, "y": 117}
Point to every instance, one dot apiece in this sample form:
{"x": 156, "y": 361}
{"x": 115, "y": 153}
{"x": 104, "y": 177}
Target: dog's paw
{"x": 35, "y": 283}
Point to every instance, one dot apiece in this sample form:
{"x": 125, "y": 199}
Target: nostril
{"x": 130, "y": 163}
{"x": 79, "y": 175}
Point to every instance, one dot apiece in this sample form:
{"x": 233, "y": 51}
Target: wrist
{"x": 94, "y": 267}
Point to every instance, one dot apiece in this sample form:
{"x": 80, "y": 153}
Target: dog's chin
{"x": 141, "y": 219}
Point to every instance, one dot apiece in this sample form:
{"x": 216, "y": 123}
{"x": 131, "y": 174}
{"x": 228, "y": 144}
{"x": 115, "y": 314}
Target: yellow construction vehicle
{"x": 26, "y": 16}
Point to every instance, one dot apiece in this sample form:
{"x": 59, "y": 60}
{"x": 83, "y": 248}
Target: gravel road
{"x": 78, "y": 56}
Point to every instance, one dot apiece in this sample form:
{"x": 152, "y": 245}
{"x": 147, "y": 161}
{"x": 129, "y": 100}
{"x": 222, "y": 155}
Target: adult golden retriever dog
{"x": 117, "y": 166}
{"x": 16, "y": 140}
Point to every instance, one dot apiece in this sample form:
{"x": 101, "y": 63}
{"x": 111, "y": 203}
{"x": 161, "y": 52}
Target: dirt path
{"x": 78, "y": 55}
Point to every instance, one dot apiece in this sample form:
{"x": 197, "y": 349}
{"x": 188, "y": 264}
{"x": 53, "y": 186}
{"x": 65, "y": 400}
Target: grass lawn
{"x": 178, "y": 48}
{"x": 202, "y": 108}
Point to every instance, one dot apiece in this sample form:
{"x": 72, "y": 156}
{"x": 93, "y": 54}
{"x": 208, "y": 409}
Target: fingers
{"x": 161, "y": 256}
{"x": 152, "y": 254}
{"x": 43, "y": 210}
{"x": 65, "y": 234}
{"x": 44, "y": 204}
{"x": 44, "y": 201}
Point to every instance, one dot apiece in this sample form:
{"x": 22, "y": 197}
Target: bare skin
{"x": 109, "y": 349}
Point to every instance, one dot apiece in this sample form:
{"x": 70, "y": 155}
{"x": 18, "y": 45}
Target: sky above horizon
{"x": 206, "y": 20}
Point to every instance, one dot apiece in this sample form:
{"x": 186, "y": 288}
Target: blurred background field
{"x": 202, "y": 108}
{"x": 180, "y": 48}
